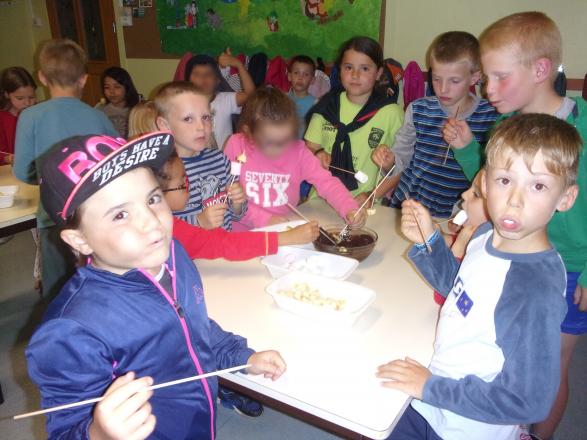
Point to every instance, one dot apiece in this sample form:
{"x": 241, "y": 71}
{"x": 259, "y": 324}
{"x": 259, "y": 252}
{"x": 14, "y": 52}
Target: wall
{"x": 411, "y": 25}
{"x": 19, "y": 38}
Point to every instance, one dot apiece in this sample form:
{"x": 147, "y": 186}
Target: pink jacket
{"x": 272, "y": 183}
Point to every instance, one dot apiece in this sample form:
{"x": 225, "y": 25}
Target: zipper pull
{"x": 178, "y": 309}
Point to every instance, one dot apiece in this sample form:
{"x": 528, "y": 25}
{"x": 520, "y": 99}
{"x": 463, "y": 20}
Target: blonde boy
{"x": 425, "y": 169}
{"x": 521, "y": 54}
{"x": 214, "y": 201}
{"x": 495, "y": 367}
{"x": 63, "y": 66}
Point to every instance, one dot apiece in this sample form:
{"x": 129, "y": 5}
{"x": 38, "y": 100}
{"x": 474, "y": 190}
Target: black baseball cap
{"x": 77, "y": 167}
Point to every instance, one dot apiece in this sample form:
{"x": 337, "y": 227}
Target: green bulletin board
{"x": 276, "y": 27}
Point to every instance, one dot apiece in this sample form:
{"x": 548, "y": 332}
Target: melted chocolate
{"x": 351, "y": 242}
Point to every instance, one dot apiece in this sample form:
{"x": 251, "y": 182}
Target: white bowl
{"x": 357, "y": 298}
{"x": 7, "y": 193}
{"x": 290, "y": 259}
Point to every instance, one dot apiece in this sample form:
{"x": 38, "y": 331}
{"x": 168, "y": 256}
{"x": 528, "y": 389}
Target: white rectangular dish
{"x": 342, "y": 302}
{"x": 7, "y": 193}
{"x": 290, "y": 258}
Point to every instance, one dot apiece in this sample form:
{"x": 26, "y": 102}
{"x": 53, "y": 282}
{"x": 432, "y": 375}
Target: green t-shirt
{"x": 380, "y": 130}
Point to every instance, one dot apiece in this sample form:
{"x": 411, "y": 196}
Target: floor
{"x": 20, "y": 311}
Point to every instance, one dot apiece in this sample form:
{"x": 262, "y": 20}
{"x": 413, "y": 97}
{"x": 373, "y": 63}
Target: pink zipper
{"x": 173, "y": 302}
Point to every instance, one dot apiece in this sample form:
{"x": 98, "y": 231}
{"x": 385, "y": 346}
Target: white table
{"x": 331, "y": 371}
{"x": 22, "y": 215}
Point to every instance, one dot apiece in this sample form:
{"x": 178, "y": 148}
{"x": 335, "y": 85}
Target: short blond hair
{"x": 455, "y": 47}
{"x": 63, "y": 62}
{"x": 533, "y": 35}
{"x": 168, "y": 91}
{"x": 142, "y": 119}
{"x": 526, "y": 134}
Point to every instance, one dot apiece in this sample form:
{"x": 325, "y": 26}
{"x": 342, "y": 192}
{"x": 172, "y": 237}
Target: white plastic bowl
{"x": 358, "y": 298}
{"x": 289, "y": 259}
{"x": 7, "y": 195}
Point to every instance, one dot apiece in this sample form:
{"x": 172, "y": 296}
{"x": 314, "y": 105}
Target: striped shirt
{"x": 435, "y": 184}
{"x": 208, "y": 175}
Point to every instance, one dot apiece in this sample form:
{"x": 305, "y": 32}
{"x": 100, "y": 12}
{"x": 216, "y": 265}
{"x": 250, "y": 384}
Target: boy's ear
{"x": 42, "y": 79}
{"x": 568, "y": 198}
{"x": 483, "y": 172}
{"x": 162, "y": 123}
{"x": 289, "y": 76}
{"x": 83, "y": 80}
{"x": 543, "y": 69}
{"x": 475, "y": 77}
{"x": 76, "y": 240}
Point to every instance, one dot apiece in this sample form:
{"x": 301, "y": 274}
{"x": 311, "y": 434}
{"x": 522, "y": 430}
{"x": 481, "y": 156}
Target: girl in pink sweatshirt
{"x": 274, "y": 163}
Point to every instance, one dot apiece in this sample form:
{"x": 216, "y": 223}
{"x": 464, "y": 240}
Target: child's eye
{"x": 155, "y": 199}
{"x": 187, "y": 119}
{"x": 540, "y": 187}
{"x": 503, "y": 181}
{"x": 347, "y": 67}
{"x": 365, "y": 69}
{"x": 455, "y": 81}
{"x": 120, "y": 216}
{"x": 206, "y": 118}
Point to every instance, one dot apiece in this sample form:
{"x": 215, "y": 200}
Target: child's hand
{"x": 226, "y": 59}
{"x": 357, "y": 219}
{"x": 125, "y": 412}
{"x": 212, "y": 217}
{"x": 383, "y": 157}
{"x": 306, "y": 233}
{"x": 361, "y": 197}
{"x": 268, "y": 363}
{"x": 277, "y": 219}
{"x": 580, "y": 297}
{"x": 325, "y": 159}
{"x": 406, "y": 375}
{"x": 8, "y": 159}
{"x": 237, "y": 195}
{"x": 410, "y": 228}
{"x": 457, "y": 133}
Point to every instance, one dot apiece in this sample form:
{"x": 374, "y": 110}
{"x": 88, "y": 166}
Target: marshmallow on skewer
{"x": 235, "y": 168}
{"x": 460, "y": 218}
{"x": 371, "y": 211}
{"x": 361, "y": 177}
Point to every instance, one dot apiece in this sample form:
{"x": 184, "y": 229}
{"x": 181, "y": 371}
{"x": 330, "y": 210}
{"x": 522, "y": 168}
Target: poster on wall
{"x": 276, "y": 27}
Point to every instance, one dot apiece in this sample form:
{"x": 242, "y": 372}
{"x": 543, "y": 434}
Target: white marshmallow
{"x": 460, "y": 218}
{"x": 235, "y": 168}
{"x": 361, "y": 177}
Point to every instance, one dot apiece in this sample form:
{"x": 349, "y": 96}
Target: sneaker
{"x": 241, "y": 404}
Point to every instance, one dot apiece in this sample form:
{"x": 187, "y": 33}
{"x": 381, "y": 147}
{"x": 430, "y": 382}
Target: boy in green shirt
{"x": 520, "y": 55}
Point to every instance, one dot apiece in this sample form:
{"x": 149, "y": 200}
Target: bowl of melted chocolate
{"x": 358, "y": 244}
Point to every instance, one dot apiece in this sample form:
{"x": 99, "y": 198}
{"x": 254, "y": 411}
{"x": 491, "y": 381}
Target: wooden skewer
{"x": 321, "y": 229}
{"x": 232, "y": 179}
{"x": 367, "y": 200}
{"x": 376, "y": 183}
{"x": 341, "y": 169}
{"x": 152, "y": 387}
{"x": 450, "y": 144}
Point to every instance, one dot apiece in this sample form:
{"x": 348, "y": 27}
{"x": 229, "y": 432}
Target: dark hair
{"x": 365, "y": 45}
{"x": 210, "y": 11}
{"x": 455, "y": 46}
{"x": 121, "y": 76}
{"x": 207, "y": 60}
{"x": 162, "y": 175}
{"x": 267, "y": 104}
{"x": 302, "y": 59}
{"x": 12, "y": 79}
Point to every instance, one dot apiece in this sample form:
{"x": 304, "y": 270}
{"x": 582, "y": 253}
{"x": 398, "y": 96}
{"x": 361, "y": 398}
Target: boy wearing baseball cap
{"x": 135, "y": 314}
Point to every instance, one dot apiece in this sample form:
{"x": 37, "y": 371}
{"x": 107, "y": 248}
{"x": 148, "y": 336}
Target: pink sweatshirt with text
{"x": 272, "y": 183}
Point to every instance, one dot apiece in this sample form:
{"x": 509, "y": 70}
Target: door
{"x": 90, "y": 23}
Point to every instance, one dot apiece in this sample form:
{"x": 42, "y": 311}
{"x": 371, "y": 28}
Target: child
{"x": 63, "y": 71}
{"x": 346, "y": 126}
{"x": 429, "y": 173}
{"x": 152, "y": 324}
{"x": 203, "y": 72}
{"x": 521, "y": 54}
{"x": 142, "y": 119}
{"x": 17, "y": 92}
{"x": 277, "y": 163}
{"x": 301, "y": 76}
{"x": 120, "y": 97}
{"x": 218, "y": 243}
{"x": 497, "y": 351}
{"x": 473, "y": 204}
{"x": 186, "y": 113}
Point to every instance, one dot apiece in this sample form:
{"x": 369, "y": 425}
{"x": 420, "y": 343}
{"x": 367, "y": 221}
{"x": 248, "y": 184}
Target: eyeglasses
{"x": 179, "y": 188}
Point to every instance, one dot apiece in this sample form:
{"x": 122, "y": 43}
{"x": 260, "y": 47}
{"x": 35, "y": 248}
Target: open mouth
{"x": 509, "y": 224}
